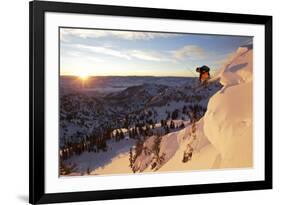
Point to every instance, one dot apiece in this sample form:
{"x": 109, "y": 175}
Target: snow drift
{"x": 228, "y": 120}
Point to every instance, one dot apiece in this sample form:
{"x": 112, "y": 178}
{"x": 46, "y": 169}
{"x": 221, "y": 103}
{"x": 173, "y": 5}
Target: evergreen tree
{"x": 131, "y": 158}
{"x": 126, "y": 122}
{"x": 130, "y": 133}
{"x": 182, "y": 125}
{"x": 184, "y": 109}
{"x": 172, "y": 124}
{"x": 153, "y": 124}
{"x": 117, "y": 136}
{"x": 141, "y": 130}
{"x": 168, "y": 116}
{"x": 121, "y": 134}
{"x": 162, "y": 123}
{"x": 156, "y": 151}
{"x": 167, "y": 130}
{"x": 156, "y": 145}
{"x": 175, "y": 114}
{"x": 147, "y": 130}
{"x": 139, "y": 147}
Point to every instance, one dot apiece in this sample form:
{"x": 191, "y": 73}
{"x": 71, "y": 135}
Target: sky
{"x": 92, "y": 52}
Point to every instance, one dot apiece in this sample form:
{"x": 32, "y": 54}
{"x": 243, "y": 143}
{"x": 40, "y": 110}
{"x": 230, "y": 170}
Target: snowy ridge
{"x": 226, "y": 127}
{"x": 228, "y": 120}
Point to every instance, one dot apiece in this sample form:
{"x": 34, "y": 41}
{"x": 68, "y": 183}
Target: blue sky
{"x": 92, "y": 52}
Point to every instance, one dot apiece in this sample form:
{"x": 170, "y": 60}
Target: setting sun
{"x": 83, "y": 76}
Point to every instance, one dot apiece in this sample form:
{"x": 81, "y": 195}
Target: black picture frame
{"x": 37, "y": 194}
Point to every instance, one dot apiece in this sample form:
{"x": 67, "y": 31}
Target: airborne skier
{"x": 204, "y": 73}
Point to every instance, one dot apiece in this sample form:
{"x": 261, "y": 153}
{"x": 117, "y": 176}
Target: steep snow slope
{"x": 173, "y": 145}
{"x": 227, "y": 124}
{"x": 204, "y": 155}
{"x": 226, "y": 127}
{"x": 87, "y": 161}
{"x": 228, "y": 120}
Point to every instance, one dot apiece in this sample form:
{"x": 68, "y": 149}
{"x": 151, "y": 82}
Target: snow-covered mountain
{"x": 89, "y": 122}
{"x": 82, "y": 113}
{"x": 135, "y": 97}
{"x": 222, "y": 138}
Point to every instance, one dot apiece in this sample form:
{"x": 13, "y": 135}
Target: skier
{"x": 204, "y": 73}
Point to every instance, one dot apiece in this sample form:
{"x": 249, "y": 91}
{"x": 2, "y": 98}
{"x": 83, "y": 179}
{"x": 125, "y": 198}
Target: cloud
{"x": 82, "y": 50}
{"x": 65, "y": 33}
{"x": 149, "y": 55}
{"x": 139, "y": 35}
{"x": 104, "y": 50}
{"x": 189, "y": 51}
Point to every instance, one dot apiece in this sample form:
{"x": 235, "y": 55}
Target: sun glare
{"x": 83, "y": 76}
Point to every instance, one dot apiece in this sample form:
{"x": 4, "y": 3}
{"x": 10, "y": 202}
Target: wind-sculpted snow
{"x": 225, "y": 132}
{"x": 228, "y": 120}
